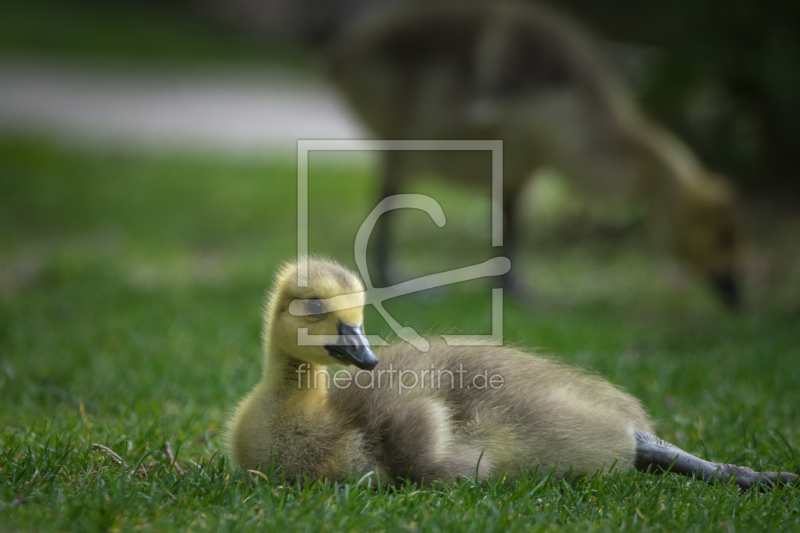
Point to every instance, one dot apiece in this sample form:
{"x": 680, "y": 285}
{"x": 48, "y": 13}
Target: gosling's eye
{"x": 315, "y": 308}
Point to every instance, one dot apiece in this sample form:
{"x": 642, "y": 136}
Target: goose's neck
{"x": 667, "y": 166}
{"x": 287, "y": 377}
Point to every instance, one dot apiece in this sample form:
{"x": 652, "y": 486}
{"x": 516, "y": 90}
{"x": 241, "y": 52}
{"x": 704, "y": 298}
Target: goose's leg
{"x": 382, "y": 234}
{"x": 511, "y": 281}
{"x": 663, "y": 456}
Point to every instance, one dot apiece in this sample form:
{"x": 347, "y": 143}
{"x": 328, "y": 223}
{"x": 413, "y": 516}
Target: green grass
{"x": 134, "y": 284}
{"x": 134, "y": 31}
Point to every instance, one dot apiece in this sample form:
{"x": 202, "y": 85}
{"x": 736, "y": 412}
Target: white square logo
{"x": 375, "y": 296}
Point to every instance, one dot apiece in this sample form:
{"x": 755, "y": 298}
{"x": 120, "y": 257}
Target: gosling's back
{"x": 461, "y": 406}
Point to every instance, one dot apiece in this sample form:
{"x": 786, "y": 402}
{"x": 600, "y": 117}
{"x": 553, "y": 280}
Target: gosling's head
{"x": 708, "y": 234}
{"x": 330, "y": 305}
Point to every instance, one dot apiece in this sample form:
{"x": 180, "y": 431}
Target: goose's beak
{"x": 353, "y": 347}
{"x": 728, "y": 288}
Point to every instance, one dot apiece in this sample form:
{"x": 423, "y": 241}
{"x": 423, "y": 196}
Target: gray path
{"x": 157, "y": 108}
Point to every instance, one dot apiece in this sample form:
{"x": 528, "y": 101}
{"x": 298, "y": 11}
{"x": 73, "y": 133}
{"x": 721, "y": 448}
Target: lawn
{"x": 164, "y": 33}
{"x": 131, "y": 288}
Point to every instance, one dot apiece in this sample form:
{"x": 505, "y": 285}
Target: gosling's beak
{"x": 728, "y": 288}
{"x": 353, "y": 347}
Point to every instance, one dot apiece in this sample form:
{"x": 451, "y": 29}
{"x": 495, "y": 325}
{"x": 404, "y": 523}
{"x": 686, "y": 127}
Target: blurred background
{"x": 148, "y": 192}
{"x": 241, "y": 81}
{"x": 723, "y": 75}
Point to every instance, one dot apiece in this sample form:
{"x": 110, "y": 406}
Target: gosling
{"x": 476, "y": 411}
{"x": 522, "y": 74}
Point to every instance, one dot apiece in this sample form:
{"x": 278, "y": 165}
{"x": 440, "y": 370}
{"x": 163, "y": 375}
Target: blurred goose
{"x": 521, "y": 74}
{"x": 451, "y": 412}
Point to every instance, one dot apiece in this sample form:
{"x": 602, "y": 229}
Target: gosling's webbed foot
{"x": 747, "y": 478}
{"x": 659, "y": 456}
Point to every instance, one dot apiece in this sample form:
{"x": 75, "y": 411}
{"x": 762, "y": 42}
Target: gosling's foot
{"x": 659, "y": 456}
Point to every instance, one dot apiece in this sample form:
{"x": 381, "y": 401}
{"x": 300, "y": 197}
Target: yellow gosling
{"x": 440, "y": 415}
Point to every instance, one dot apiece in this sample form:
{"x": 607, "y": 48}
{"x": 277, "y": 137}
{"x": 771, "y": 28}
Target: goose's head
{"x": 321, "y": 323}
{"x": 708, "y": 234}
